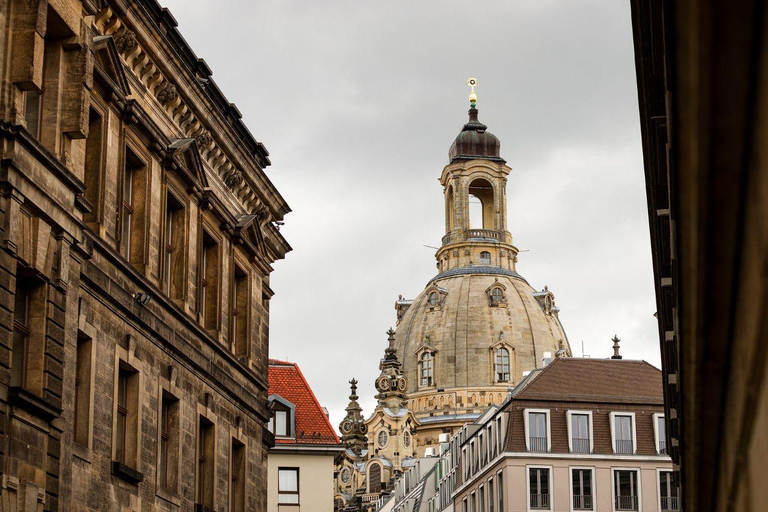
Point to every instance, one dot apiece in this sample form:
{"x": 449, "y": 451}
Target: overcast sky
{"x": 358, "y": 103}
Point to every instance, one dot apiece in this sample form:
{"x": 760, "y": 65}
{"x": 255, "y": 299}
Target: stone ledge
{"x": 126, "y": 473}
{"x": 24, "y": 399}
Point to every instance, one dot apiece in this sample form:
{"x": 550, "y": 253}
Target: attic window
{"x": 496, "y": 296}
{"x": 434, "y": 299}
{"x": 485, "y": 258}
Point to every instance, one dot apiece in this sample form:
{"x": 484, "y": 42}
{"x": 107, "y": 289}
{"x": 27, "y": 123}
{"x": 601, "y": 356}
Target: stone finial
{"x": 391, "y": 337}
{"x": 353, "y": 388}
{"x": 616, "y": 341}
{"x": 126, "y": 42}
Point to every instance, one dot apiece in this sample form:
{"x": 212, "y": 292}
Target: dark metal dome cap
{"x": 474, "y": 142}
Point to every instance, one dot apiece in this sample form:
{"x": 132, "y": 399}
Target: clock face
{"x": 402, "y": 384}
{"x": 346, "y": 427}
{"x": 384, "y": 383}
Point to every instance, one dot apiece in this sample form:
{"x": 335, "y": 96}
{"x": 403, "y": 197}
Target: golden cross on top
{"x": 472, "y": 82}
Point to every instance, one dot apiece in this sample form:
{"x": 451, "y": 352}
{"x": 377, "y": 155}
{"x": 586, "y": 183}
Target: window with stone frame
{"x": 237, "y": 477}
{"x": 29, "y": 321}
{"x": 173, "y": 251}
{"x": 94, "y": 158}
{"x": 168, "y": 456}
{"x": 382, "y": 438}
{"x": 485, "y": 258}
{"x": 240, "y": 310}
{"x": 133, "y": 211}
{"x": 209, "y": 282}
{"x": 206, "y": 462}
{"x": 426, "y": 369}
{"x": 374, "y": 478}
{"x": 33, "y": 112}
{"x": 82, "y": 405}
{"x": 126, "y": 423}
{"x": 502, "y": 365}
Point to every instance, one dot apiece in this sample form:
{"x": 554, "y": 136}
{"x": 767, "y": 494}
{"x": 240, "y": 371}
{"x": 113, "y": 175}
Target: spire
{"x": 616, "y": 341}
{"x": 391, "y": 383}
{"x": 353, "y": 427}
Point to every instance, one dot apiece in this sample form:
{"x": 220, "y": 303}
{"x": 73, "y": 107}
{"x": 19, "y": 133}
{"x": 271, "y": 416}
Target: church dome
{"x": 475, "y": 142}
{"x": 463, "y": 317}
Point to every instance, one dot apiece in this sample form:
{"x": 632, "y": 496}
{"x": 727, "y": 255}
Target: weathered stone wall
{"x": 83, "y": 313}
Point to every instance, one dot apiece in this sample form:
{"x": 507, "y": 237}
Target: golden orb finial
{"x": 472, "y": 82}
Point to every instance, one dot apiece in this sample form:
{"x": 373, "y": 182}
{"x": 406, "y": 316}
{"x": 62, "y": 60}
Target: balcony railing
{"x": 537, "y": 444}
{"x": 540, "y": 501}
{"x": 580, "y": 445}
{"x": 474, "y": 234}
{"x": 582, "y": 502}
{"x": 626, "y": 502}
{"x": 624, "y": 447}
{"x": 662, "y": 447}
{"x": 670, "y": 504}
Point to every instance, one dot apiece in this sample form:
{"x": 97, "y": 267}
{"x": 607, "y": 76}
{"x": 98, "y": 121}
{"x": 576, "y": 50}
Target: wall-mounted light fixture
{"x": 143, "y": 298}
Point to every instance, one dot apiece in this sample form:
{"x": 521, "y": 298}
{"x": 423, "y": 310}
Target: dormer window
{"x": 485, "y": 258}
{"x": 502, "y": 365}
{"x": 496, "y": 295}
{"x": 426, "y": 369}
{"x": 282, "y": 422}
{"x": 434, "y": 299}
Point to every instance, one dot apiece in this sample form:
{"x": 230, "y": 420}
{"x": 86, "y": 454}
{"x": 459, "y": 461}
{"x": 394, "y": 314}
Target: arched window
{"x": 485, "y": 258}
{"x": 346, "y": 475}
{"x": 374, "y": 478}
{"x": 434, "y": 299}
{"x": 406, "y": 439}
{"x": 426, "y": 366}
{"x": 496, "y": 296}
{"x": 382, "y": 438}
{"x": 481, "y": 203}
{"x": 502, "y": 365}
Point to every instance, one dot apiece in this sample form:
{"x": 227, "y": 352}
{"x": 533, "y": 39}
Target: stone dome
{"x": 475, "y": 142}
{"x": 465, "y": 323}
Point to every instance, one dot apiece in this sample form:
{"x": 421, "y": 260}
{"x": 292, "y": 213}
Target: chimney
{"x": 547, "y": 358}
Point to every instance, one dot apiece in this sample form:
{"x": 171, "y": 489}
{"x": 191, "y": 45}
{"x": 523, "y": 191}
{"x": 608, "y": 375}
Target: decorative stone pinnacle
{"x": 472, "y": 82}
{"x": 353, "y": 387}
{"x": 616, "y": 341}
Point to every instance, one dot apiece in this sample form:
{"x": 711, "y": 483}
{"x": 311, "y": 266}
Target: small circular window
{"x": 346, "y": 475}
{"x": 406, "y": 439}
{"x": 434, "y": 299}
{"x": 383, "y": 438}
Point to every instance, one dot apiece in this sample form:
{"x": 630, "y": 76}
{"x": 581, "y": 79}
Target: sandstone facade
{"x": 137, "y": 237}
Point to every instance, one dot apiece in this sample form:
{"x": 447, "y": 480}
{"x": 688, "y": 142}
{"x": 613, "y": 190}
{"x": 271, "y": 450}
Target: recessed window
{"x": 93, "y": 159}
{"x": 382, "y": 438}
{"x": 32, "y": 112}
{"x": 168, "y": 459}
{"x": 374, "y": 478}
{"x": 434, "y": 299}
{"x": 240, "y": 295}
{"x": 623, "y": 434}
{"x": 82, "y": 389}
{"x": 288, "y": 486}
{"x": 237, "y": 477}
{"x": 281, "y": 423}
{"x": 28, "y": 334}
{"x": 426, "y": 369}
{"x": 580, "y": 433}
{"x": 209, "y": 282}
{"x": 346, "y": 475}
{"x": 660, "y": 430}
{"x": 406, "y": 439}
{"x": 127, "y": 415}
{"x": 625, "y": 489}
{"x": 539, "y": 484}
{"x": 132, "y": 212}
{"x": 581, "y": 487}
{"x": 174, "y": 275}
{"x": 668, "y": 492}
{"x": 206, "y": 458}
{"x": 502, "y": 365}
{"x": 537, "y": 431}
{"x": 485, "y": 258}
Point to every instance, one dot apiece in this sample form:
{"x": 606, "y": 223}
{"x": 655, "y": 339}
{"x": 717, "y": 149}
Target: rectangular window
{"x": 581, "y": 487}
{"x": 498, "y": 435}
{"x": 623, "y": 434}
{"x": 580, "y": 433}
{"x": 668, "y": 492}
{"x": 625, "y": 489}
{"x": 500, "y": 491}
{"x": 237, "y": 477}
{"x": 206, "y": 454}
{"x": 82, "y": 389}
{"x": 126, "y": 417}
{"x": 661, "y": 433}
{"x": 539, "y": 488}
{"x": 173, "y": 248}
{"x": 537, "y": 431}
{"x": 93, "y": 159}
{"x": 490, "y": 496}
{"x": 464, "y": 505}
{"x": 239, "y": 337}
{"x": 288, "y": 485}
{"x": 32, "y": 112}
{"x": 134, "y": 200}
{"x": 209, "y": 283}
{"x": 473, "y": 502}
{"x": 481, "y": 499}
{"x": 21, "y": 332}
{"x": 168, "y": 459}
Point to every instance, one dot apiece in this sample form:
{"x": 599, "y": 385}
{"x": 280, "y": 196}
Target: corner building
{"x": 478, "y": 324}
{"x": 137, "y": 234}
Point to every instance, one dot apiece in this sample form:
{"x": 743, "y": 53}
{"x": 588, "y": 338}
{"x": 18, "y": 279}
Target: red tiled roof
{"x": 312, "y": 425}
{"x": 596, "y": 380}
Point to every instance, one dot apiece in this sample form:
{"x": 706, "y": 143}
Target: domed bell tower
{"x": 475, "y": 173}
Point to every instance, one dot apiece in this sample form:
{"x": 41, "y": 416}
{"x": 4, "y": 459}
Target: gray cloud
{"x": 358, "y": 103}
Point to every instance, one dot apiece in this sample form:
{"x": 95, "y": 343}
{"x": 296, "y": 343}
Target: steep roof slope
{"x": 312, "y": 425}
{"x": 596, "y": 380}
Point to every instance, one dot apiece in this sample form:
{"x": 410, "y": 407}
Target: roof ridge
{"x": 281, "y": 362}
